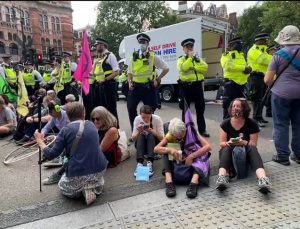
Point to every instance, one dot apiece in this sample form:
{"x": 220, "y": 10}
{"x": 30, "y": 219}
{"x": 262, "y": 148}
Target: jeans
{"x": 284, "y": 112}
{"x": 145, "y": 146}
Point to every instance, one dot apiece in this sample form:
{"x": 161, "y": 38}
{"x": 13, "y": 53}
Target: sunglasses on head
{"x": 97, "y": 119}
{"x": 241, "y": 99}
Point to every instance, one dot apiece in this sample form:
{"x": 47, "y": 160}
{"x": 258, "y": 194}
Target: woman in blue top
{"x": 86, "y": 164}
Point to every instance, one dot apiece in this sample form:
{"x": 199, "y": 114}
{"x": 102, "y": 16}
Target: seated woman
{"x": 176, "y": 134}
{"x": 8, "y": 121}
{"x": 106, "y": 125}
{"x": 240, "y": 131}
{"x": 84, "y": 161}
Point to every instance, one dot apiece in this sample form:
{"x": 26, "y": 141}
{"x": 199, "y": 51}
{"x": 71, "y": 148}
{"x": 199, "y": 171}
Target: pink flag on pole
{"x": 85, "y": 65}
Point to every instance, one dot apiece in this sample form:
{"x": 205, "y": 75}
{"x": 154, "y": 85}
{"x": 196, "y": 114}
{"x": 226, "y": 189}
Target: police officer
{"x": 142, "y": 78}
{"x": 105, "y": 69}
{"x": 32, "y": 78}
{"x": 121, "y": 80}
{"x": 47, "y": 77}
{"x": 258, "y": 59}
{"x": 236, "y": 73}
{"x": 8, "y": 72}
{"x": 191, "y": 75}
{"x": 68, "y": 69}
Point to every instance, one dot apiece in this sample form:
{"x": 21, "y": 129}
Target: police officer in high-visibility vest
{"x": 68, "y": 81}
{"x": 191, "y": 70}
{"x": 121, "y": 80}
{"x": 47, "y": 77}
{"x": 258, "y": 59}
{"x": 32, "y": 78}
{"x": 142, "y": 78}
{"x": 236, "y": 73}
{"x": 8, "y": 72}
{"x": 105, "y": 69}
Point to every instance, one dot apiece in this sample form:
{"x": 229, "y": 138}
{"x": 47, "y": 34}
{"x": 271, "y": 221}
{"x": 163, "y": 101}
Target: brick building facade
{"x": 45, "y": 24}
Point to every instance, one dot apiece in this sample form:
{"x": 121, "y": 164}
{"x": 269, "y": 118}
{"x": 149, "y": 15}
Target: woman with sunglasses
{"x": 239, "y": 135}
{"x": 106, "y": 125}
{"x": 170, "y": 146}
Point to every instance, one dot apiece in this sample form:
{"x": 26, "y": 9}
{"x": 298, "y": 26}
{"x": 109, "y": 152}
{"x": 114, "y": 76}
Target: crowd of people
{"x": 87, "y": 131}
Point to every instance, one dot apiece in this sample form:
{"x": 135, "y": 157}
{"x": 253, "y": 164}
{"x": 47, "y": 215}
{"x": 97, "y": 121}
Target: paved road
{"x": 22, "y": 202}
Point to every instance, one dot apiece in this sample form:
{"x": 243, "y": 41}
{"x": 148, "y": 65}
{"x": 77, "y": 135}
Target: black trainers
{"x": 276, "y": 159}
{"x": 264, "y": 185}
{"x": 222, "y": 183}
{"x": 295, "y": 158}
{"x": 170, "y": 189}
{"x": 205, "y": 134}
{"x": 191, "y": 192}
{"x": 264, "y": 121}
{"x": 24, "y": 140}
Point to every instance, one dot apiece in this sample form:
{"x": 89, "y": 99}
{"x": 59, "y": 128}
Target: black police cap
{"x": 64, "y": 54}
{"x": 275, "y": 47}
{"x": 235, "y": 40}
{"x": 28, "y": 63}
{"x": 100, "y": 40}
{"x": 143, "y": 36}
{"x": 47, "y": 62}
{"x": 261, "y": 36}
{"x": 189, "y": 41}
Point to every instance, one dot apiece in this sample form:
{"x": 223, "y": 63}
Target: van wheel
{"x": 167, "y": 94}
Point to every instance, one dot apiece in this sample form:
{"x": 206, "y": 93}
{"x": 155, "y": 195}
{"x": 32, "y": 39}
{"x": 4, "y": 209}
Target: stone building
{"x": 78, "y": 35}
{"x": 45, "y": 24}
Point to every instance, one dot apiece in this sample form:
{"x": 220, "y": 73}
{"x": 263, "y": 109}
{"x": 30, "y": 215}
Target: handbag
{"x": 182, "y": 174}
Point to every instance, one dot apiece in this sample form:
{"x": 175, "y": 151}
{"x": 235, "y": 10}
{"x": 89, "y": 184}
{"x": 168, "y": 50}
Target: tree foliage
{"x": 117, "y": 19}
{"x": 269, "y": 17}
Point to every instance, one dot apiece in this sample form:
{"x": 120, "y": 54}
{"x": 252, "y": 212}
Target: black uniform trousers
{"x": 105, "y": 95}
{"x": 259, "y": 88}
{"x": 145, "y": 93}
{"x": 232, "y": 91}
{"x": 68, "y": 89}
{"x": 89, "y": 101}
{"x": 193, "y": 92}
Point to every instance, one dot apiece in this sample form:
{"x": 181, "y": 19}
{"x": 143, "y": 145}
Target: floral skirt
{"x": 74, "y": 186}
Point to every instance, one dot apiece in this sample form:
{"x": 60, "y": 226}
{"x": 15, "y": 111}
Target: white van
{"x": 208, "y": 33}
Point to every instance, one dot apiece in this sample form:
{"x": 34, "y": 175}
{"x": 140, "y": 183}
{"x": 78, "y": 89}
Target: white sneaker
{"x": 150, "y": 166}
{"x": 138, "y": 165}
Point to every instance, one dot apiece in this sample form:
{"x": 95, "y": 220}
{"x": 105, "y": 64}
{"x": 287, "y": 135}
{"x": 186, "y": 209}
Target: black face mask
{"x": 238, "y": 47}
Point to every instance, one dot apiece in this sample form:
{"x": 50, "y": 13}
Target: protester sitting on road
{"x": 239, "y": 135}
{"x": 106, "y": 124}
{"x": 171, "y": 154}
{"x": 147, "y": 132}
{"x": 53, "y": 96}
{"x": 70, "y": 98}
{"x": 84, "y": 163}
{"x": 8, "y": 104}
{"x": 286, "y": 95}
{"x": 8, "y": 121}
{"x": 58, "y": 121}
{"x": 32, "y": 121}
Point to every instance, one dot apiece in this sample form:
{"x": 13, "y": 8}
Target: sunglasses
{"x": 97, "y": 119}
{"x": 241, "y": 99}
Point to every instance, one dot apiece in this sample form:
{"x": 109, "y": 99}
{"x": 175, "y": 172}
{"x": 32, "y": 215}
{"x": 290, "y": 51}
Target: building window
{"x": 59, "y": 46}
{"x": 2, "y": 48}
{"x": 13, "y": 49}
{"x": 27, "y": 19}
{"x": 1, "y": 35}
{"x": 9, "y": 37}
{"x": 0, "y": 13}
{"x": 44, "y": 50}
{"x": 46, "y": 26}
{"x": 43, "y": 21}
{"x": 55, "y": 45}
{"x": 15, "y": 37}
{"x": 57, "y": 24}
{"x": 7, "y": 14}
{"x": 80, "y": 35}
{"x": 53, "y": 23}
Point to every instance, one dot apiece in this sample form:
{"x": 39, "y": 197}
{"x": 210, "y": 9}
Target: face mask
{"x": 238, "y": 47}
{"x": 143, "y": 47}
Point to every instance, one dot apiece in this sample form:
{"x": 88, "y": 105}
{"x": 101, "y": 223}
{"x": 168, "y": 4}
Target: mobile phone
{"x": 234, "y": 140}
{"x": 146, "y": 127}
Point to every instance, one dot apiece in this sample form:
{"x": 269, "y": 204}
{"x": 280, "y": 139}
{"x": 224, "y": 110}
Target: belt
{"x": 189, "y": 83}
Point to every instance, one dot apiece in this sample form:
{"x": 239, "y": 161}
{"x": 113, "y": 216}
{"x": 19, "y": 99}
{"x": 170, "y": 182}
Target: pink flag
{"x": 85, "y": 65}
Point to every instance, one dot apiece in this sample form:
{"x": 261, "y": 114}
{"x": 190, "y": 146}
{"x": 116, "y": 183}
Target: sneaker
{"x": 170, "y": 189}
{"x": 205, "y": 134}
{"x": 263, "y": 120}
{"x": 191, "y": 192}
{"x": 138, "y": 165}
{"x": 56, "y": 162}
{"x": 222, "y": 183}
{"x": 264, "y": 185}
{"x": 24, "y": 140}
{"x": 260, "y": 123}
{"x": 295, "y": 158}
{"x": 150, "y": 166}
{"x": 89, "y": 196}
{"x": 53, "y": 179}
{"x": 275, "y": 158}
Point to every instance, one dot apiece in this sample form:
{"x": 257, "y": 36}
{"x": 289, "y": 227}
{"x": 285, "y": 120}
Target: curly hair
{"x": 244, "y": 106}
{"x": 108, "y": 119}
{"x": 177, "y": 127}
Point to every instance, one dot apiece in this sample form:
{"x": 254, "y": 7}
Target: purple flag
{"x": 192, "y": 143}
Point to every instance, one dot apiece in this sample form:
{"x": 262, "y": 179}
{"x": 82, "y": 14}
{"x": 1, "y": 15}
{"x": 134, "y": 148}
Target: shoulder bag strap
{"x": 77, "y": 138}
